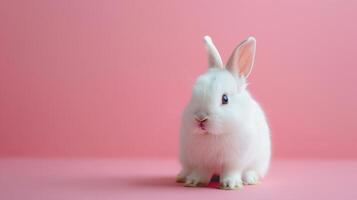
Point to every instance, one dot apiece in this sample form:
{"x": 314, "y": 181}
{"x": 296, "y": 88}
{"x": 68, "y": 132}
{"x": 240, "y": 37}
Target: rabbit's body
{"x": 247, "y": 148}
{"x": 231, "y": 138}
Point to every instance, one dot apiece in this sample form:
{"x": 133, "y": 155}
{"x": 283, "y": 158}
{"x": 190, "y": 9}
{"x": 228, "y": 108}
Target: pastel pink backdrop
{"x": 110, "y": 78}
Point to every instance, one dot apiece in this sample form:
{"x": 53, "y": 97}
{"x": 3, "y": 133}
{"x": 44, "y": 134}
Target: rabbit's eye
{"x": 224, "y": 99}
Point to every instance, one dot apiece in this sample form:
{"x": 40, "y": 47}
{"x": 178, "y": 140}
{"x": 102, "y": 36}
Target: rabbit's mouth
{"x": 202, "y": 126}
{"x": 201, "y": 123}
{"x": 202, "y": 129}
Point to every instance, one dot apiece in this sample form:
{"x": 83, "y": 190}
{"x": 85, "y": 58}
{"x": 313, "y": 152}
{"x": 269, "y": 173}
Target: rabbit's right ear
{"x": 214, "y": 59}
{"x": 242, "y": 59}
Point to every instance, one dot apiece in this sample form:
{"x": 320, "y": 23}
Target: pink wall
{"x": 110, "y": 78}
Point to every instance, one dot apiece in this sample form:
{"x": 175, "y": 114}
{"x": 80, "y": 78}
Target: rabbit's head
{"x": 218, "y": 94}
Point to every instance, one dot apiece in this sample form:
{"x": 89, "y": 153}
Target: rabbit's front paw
{"x": 250, "y": 178}
{"x": 181, "y": 177}
{"x": 197, "y": 180}
{"x": 231, "y": 182}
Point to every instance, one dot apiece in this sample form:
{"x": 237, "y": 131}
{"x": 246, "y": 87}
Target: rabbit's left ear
{"x": 214, "y": 59}
{"x": 242, "y": 58}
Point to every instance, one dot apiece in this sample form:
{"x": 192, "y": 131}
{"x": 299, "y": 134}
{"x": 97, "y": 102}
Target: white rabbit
{"x": 224, "y": 130}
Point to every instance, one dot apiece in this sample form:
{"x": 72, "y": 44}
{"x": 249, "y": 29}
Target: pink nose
{"x": 201, "y": 120}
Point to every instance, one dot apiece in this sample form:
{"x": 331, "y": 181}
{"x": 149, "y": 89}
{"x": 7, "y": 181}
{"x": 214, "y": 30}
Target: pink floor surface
{"x": 155, "y": 179}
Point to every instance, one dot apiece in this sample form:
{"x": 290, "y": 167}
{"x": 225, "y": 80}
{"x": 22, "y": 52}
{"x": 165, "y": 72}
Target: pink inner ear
{"x": 242, "y": 59}
{"x": 245, "y": 59}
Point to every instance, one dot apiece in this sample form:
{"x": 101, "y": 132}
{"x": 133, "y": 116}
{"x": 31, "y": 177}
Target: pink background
{"x": 110, "y": 78}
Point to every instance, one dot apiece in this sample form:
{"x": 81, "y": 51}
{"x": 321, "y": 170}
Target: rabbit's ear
{"x": 214, "y": 59}
{"x": 242, "y": 58}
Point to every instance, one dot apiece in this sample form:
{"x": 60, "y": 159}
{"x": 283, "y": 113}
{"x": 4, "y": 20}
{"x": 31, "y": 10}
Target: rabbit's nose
{"x": 201, "y": 118}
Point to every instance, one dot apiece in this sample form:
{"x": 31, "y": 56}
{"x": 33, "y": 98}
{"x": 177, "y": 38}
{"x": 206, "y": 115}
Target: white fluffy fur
{"x": 236, "y": 143}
